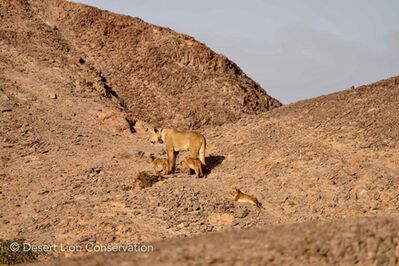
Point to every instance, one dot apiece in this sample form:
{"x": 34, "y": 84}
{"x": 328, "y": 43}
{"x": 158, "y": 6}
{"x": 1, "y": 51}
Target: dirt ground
{"x": 313, "y": 161}
{"x": 360, "y": 241}
{"x": 71, "y": 147}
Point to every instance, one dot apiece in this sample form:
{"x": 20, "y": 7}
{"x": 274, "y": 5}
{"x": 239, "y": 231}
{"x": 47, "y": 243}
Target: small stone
{"x": 4, "y": 97}
{"x": 241, "y": 213}
{"x": 43, "y": 192}
{"x": 5, "y": 109}
{"x": 196, "y": 206}
{"x": 365, "y": 146}
{"x": 362, "y": 194}
{"x": 52, "y": 95}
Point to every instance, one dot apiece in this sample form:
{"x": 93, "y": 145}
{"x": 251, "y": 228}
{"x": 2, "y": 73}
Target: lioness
{"x": 191, "y": 163}
{"x": 176, "y": 141}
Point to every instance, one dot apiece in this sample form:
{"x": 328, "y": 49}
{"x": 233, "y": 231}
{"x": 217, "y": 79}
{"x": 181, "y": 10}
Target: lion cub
{"x": 192, "y": 163}
{"x": 242, "y": 197}
{"x": 160, "y": 165}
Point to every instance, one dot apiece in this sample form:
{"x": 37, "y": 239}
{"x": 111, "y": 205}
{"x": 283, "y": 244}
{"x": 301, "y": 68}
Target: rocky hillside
{"x": 158, "y": 75}
{"x": 332, "y": 157}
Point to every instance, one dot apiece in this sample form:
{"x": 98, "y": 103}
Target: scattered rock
{"x": 4, "y": 97}
{"x": 241, "y": 213}
{"x": 44, "y": 192}
{"x": 52, "y": 95}
{"x": 147, "y": 179}
{"x": 4, "y": 109}
{"x": 114, "y": 121}
{"x": 365, "y": 145}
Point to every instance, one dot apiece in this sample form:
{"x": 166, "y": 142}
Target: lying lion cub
{"x": 176, "y": 141}
{"x": 242, "y": 197}
{"x": 191, "y": 163}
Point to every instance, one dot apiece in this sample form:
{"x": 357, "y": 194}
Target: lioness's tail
{"x": 202, "y": 152}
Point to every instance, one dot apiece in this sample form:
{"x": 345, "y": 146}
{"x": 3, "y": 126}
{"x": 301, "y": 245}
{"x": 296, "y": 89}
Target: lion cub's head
{"x": 234, "y": 191}
{"x": 154, "y": 136}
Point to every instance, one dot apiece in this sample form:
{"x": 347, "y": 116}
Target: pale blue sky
{"x": 296, "y": 49}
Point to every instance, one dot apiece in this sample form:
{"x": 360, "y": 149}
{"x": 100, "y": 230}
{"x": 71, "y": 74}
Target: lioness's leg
{"x": 202, "y": 153}
{"x": 171, "y": 158}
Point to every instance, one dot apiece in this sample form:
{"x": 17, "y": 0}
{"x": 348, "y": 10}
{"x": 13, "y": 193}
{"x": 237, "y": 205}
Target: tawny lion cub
{"x": 176, "y": 141}
{"x": 242, "y": 197}
{"x": 191, "y": 163}
{"x": 160, "y": 165}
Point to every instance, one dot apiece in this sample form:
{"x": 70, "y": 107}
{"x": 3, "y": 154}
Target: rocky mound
{"x": 160, "y": 76}
{"x": 365, "y": 241}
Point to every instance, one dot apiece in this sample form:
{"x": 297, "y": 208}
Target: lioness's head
{"x": 154, "y": 136}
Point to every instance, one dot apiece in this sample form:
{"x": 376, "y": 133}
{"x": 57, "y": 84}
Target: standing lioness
{"x": 176, "y": 141}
